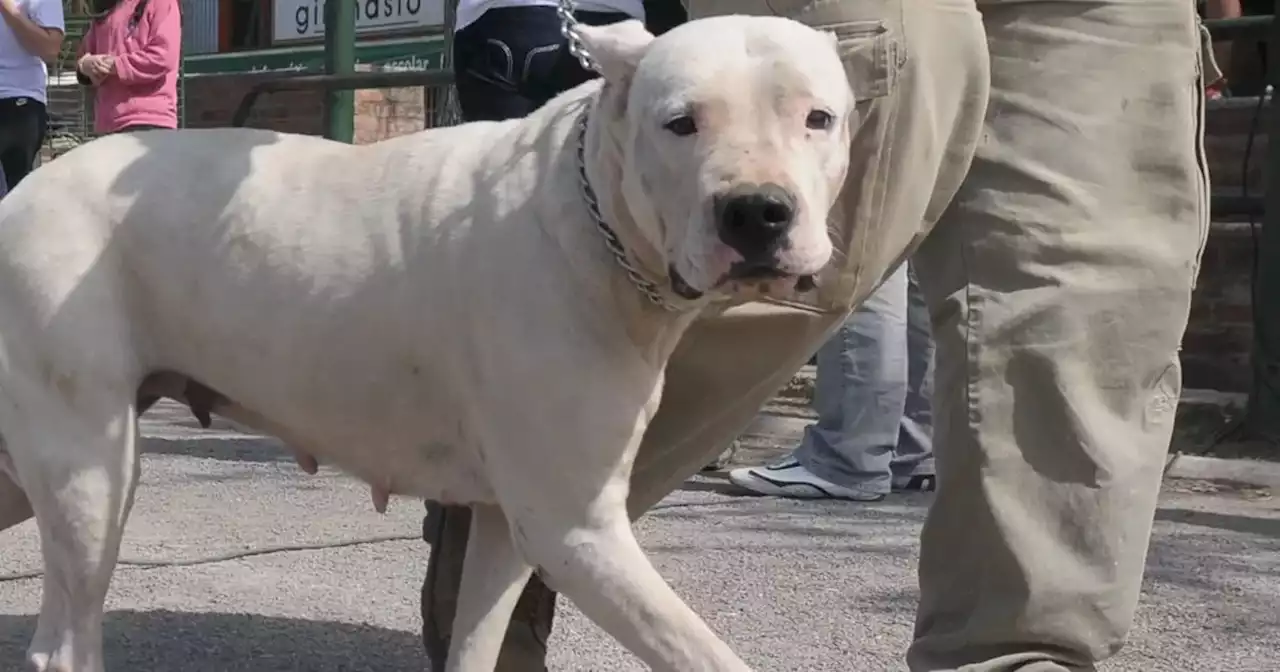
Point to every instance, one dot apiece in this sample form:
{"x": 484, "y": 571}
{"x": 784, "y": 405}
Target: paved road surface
{"x": 808, "y": 587}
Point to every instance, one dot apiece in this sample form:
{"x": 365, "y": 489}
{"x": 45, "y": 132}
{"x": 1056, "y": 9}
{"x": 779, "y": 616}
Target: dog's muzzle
{"x": 754, "y": 220}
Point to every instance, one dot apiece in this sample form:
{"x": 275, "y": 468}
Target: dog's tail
{"x": 14, "y": 505}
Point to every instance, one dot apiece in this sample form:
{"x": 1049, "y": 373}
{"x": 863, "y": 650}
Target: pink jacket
{"x": 144, "y": 87}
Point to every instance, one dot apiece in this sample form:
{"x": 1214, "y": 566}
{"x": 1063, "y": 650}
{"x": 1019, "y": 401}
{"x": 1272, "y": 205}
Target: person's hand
{"x": 9, "y": 7}
{"x": 85, "y": 67}
{"x": 106, "y": 64}
{"x": 94, "y": 66}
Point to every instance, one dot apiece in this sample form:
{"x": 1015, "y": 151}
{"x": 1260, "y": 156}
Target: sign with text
{"x": 294, "y": 20}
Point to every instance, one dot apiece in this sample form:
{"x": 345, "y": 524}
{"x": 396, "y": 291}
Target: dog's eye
{"x": 819, "y": 120}
{"x": 682, "y": 125}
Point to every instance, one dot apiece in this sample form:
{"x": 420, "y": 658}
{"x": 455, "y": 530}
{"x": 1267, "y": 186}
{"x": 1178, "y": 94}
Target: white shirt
{"x": 470, "y": 10}
{"x": 22, "y": 73}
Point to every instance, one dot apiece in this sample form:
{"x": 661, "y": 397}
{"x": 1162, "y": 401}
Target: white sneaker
{"x": 788, "y": 479}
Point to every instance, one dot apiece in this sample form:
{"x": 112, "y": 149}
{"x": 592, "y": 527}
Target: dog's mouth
{"x": 745, "y": 271}
{"x": 741, "y": 272}
{"x": 680, "y": 286}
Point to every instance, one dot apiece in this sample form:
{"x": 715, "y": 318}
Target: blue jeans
{"x": 875, "y": 380}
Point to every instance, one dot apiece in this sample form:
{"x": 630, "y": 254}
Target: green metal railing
{"x": 1244, "y": 27}
{"x": 69, "y": 106}
{"x": 340, "y": 59}
{"x": 340, "y": 79}
{"x": 1262, "y": 418}
{"x": 341, "y": 83}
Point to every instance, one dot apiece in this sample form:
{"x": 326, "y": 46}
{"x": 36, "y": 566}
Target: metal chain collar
{"x": 645, "y": 285}
{"x": 569, "y": 28}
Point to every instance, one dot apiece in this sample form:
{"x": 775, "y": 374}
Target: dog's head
{"x": 733, "y": 139}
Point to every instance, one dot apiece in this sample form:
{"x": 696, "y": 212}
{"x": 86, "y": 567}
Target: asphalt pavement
{"x": 265, "y": 568}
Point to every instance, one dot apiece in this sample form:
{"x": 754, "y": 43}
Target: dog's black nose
{"x": 754, "y": 218}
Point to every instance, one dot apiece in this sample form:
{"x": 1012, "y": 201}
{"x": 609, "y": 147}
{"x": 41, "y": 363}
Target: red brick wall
{"x": 1226, "y": 136}
{"x": 380, "y": 113}
{"x": 387, "y": 113}
{"x": 1215, "y": 351}
{"x": 212, "y": 101}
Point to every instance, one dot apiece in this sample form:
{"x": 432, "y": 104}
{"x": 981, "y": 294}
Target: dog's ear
{"x": 833, "y": 38}
{"x": 617, "y": 47}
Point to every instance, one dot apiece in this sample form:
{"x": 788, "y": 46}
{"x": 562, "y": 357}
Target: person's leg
{"x": 663, "y": 15}
{"x": 1060, "y": 284}
{"x": 23, "y": 123}
{"x": 6, "y": 141}
{"x": 930, "y": 112}
{"x": 9, "y": 159}
{"x": 860, "y": 397}
{"x": 447, "y": 529}
{"x": 913, "y": 460}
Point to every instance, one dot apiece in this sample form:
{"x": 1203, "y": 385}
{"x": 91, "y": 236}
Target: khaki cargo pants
{"x": 1052, "y": 152}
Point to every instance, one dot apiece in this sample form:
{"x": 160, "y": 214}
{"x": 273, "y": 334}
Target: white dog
{"x": 478, "y": 314}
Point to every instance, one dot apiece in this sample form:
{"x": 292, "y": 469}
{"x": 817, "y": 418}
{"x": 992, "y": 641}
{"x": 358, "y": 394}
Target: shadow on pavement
{"x": 249, "y": 449}
{"x": 1268, "y": 527}
{"x": 723, "y": 487}
{"x": 168, "y": 641}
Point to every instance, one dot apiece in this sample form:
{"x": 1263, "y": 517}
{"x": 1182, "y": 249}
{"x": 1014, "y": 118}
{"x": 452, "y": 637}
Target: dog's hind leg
{"x": 493, "y": 576}
{"x": 75, "y": 453}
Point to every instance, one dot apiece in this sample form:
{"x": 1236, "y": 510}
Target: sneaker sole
{"x": 762, "y": 485}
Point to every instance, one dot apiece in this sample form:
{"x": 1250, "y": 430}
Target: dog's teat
{"x": 381, "y": 495}
{"x": 306, "y": 462}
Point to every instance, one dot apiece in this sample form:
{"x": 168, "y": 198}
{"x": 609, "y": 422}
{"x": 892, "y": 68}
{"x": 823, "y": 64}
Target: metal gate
{"x": 443, "y": 101}
{"x": 70, "y": 117}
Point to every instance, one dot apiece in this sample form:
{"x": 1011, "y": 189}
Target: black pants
{"x": 512, "y": 60}
{"x": 663, "y": 15}
{"x": 507, "y": 64}
{"x": 23, "y": 124}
